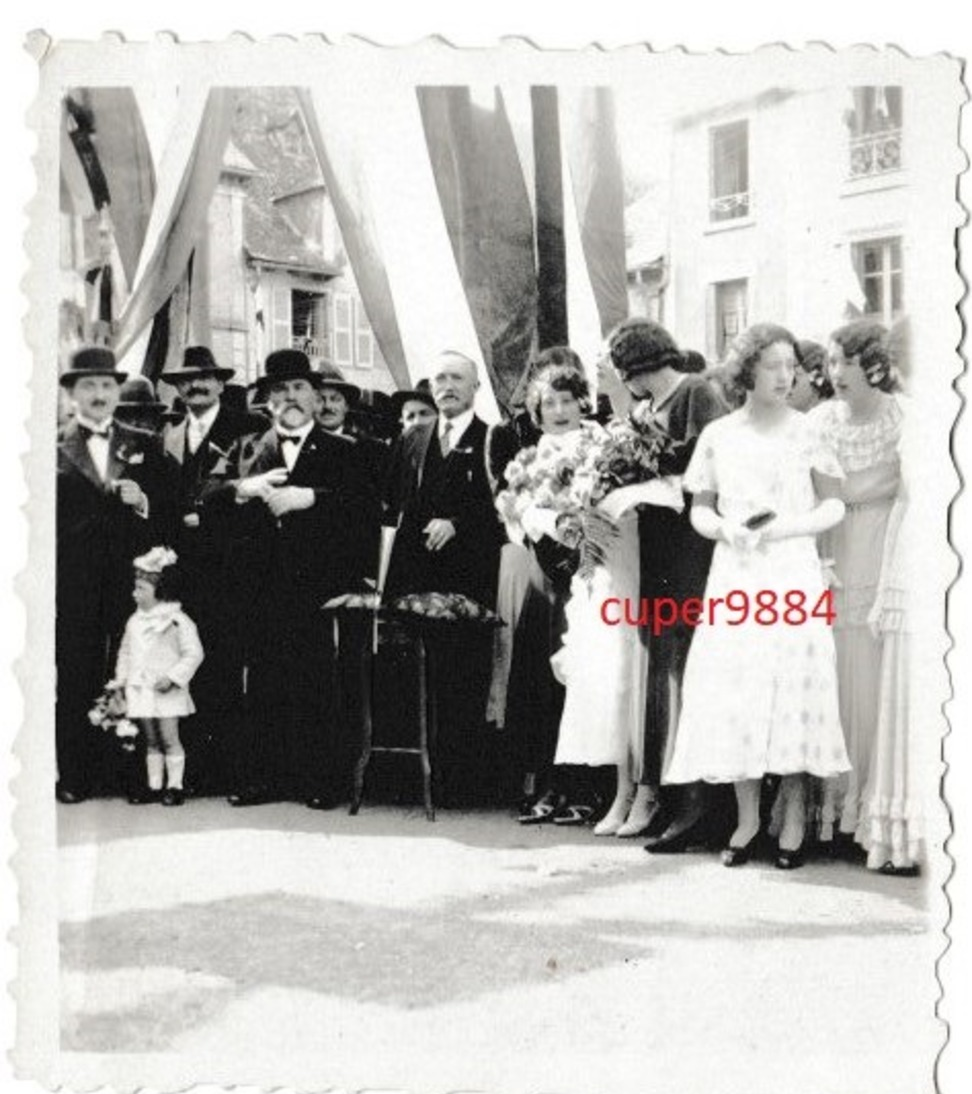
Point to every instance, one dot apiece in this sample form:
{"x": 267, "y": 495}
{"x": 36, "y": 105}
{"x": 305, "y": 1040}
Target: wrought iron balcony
{"x": 729, "y": 206}
{"x": 875, "y": 153}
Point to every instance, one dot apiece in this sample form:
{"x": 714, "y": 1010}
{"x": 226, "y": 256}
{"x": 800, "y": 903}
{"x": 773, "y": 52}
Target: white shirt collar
{"x": 300, "y": 433}
{"x": 203, "y": 423}
{"x": 460, "y": 423}
{"x": 97, "y": 427}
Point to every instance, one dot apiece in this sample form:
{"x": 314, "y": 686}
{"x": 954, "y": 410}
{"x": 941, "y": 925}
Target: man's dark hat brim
{"x": 283, "y": 365}
{"x": 93, "y": 361}
{"x": 400, "y": 398}
{"x": 198, "y": 361}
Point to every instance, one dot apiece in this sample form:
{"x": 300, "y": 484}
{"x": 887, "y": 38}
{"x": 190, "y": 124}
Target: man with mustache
{"x": 448, "y": 540}
{"x": 308, "y": 523}
{"x": 115, "y": 499}
{"x": 213, "y": 592}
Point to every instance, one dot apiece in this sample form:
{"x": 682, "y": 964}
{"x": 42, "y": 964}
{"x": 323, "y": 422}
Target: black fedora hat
{"x": 283, "y": 365}
{"x": 91, "y": 361}
{"x": 197, "y": 361}
{"x": 331, "y": 376}
{"x": 138, "y": 393}
{"x": 421, "y": 393}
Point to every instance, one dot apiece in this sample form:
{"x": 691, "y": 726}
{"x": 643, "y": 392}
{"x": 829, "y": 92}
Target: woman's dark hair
{"x": 868, "y": 342}
{"x": 746, "y": 350}
{"x": 556, "y": 355}
{"x": 692, "y": 361}
{"x": 813, "y": 361}
{"x": 558, "y": 377}
{"x": 642, "y": 345}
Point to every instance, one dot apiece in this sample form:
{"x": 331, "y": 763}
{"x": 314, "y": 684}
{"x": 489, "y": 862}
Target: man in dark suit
{"x": 309, "y": 519}
{"x": 213, "y": 588}
{"x": 114, "y": 501}
{"x": 448, "y": 540}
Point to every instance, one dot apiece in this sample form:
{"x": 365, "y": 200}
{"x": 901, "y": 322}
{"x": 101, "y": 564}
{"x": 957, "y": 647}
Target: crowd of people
{"x": 777, "y": 483}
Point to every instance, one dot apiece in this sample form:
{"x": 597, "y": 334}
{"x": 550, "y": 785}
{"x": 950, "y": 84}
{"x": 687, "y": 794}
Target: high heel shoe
{"x": 641, "y": 824}
{"x": 789, "y": 860}
{"x": 609, "y": 825}
{"x": 739, "y": 856}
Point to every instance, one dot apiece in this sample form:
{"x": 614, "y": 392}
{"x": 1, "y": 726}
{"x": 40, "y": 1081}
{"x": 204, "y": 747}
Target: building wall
{"x": 795, "y": 249}
{"x": 228, "y": 291}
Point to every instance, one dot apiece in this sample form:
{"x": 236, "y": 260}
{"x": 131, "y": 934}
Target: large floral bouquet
{"x": 567, "y": 476}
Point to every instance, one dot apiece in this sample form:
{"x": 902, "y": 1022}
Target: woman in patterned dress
{"x": 862, "y": 424}
{"x": 760, "y": 689}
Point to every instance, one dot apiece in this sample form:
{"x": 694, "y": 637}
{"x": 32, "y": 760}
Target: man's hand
{"x": 438, "y": 532}
{"x": 130, "y": 493}
{"x": 285, "y": 499}
{"x": 164, "y": 684}
{"x": 261, "y": 486}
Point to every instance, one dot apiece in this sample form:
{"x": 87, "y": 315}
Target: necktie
{"x": 196, "y": 436}
{"x": 445, "y": 441}
{"x": 87, "y": 432}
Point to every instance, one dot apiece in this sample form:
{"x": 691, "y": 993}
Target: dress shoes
{"x": 143, "y": 797}
{"x": 250, "y": 796}
{"x": 323, "y": 802}
{"x": 69, "y": 797}
{"x": 738, "y": 856}
{"x": 890, "y": 870}
{"x": 680, "y": 834}
{"x": 173, "y": 796}
{"x": 788, "y": 860}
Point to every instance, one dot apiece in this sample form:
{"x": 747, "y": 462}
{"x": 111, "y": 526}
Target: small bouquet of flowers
{"x": 109, "y": 714}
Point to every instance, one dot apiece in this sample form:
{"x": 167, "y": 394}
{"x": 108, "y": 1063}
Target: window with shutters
{"x": 309, "y": 324}
{"x": 364, "y": 338}
{"x": 281, "y": 333}
{"x": 729, "y": 196}
{"x": 343, "y": 328}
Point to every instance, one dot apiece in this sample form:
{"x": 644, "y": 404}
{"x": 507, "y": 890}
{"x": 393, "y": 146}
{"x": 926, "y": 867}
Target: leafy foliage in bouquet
{"x": 629, "y": 453}
{"x": 109, "y": 714}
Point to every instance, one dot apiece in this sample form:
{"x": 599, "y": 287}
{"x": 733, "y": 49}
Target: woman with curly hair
{"x": 760, "y": 689}
{"x": 863, "y": 425}
{"x": 811, "y": 385}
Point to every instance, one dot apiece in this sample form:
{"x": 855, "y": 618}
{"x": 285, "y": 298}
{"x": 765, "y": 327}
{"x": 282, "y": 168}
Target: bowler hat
{"x": 91, "y": 361}
{"x": 283, "y": 365}
{"x": 331, "y": 376}
{"x": 197, "y": 361}
{"x": 641, "y": 345}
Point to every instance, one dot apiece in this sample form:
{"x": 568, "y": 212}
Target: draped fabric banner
{"x": 348, "y": 190}
{"x": 187, "y": 178}
{"x": 489, "y": 218}
{"x": 378, "y": 160}
{"x": 551, "y": 255}
{"x": 590, "y": 139}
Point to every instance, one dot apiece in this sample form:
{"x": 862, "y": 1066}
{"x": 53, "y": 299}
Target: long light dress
{"x": 891, "y": 816}
{"x": 604, "y": 668}
{"x": 760, "y": 698}
{"x": 868, "y": 454}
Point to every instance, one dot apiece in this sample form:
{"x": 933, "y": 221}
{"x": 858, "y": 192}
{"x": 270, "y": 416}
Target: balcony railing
{"x": 875, "y": 154}
{"x": 729, "y": 206}
{"x": 313, "y": 347}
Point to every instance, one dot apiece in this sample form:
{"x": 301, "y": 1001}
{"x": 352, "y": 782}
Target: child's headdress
{"x": 153, "y": 562}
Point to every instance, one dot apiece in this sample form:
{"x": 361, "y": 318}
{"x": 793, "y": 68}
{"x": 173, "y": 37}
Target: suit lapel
{"x": 175, "y": 441}
{"x": 423, "y": 443}
{"x": 76, "y": 450}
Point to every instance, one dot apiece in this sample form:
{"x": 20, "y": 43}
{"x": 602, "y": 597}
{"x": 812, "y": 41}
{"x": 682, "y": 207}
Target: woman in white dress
{"x": 760, "y": 689}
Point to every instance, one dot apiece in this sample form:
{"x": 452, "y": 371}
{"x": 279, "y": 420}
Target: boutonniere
{"x": 130, "y": 456}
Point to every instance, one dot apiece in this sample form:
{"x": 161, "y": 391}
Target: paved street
{"x": 280, "y": 946}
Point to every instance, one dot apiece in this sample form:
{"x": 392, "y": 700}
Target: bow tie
{"x": 289, "y": 438}
{"x": 87, "y": 432}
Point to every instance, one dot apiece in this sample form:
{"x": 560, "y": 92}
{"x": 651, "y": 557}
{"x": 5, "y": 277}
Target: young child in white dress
{"x": 159, "y": 655}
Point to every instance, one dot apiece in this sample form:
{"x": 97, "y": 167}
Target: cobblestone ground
{"x": 283, "y": 947}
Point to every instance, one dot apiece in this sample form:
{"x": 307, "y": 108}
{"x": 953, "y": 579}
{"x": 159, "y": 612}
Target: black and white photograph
{"x": 488, "y": 555}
